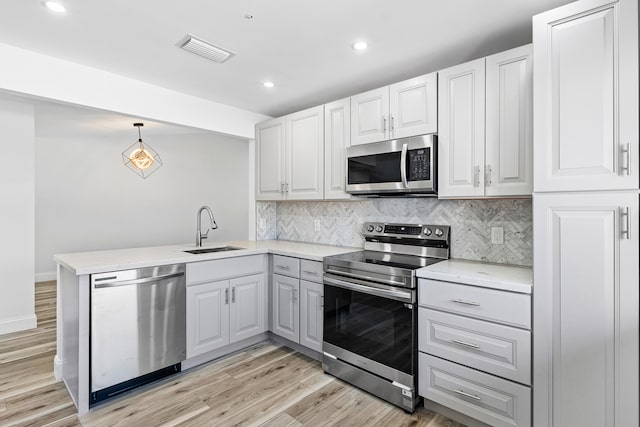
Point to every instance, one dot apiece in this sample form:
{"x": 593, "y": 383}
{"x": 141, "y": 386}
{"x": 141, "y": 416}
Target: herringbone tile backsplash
{"x": 470, "y": 221}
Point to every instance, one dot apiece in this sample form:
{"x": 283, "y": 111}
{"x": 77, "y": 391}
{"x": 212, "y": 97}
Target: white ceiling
{"x": 301, "y": 45}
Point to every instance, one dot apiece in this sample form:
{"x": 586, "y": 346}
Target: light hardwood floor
{"x": 266, "y": 385}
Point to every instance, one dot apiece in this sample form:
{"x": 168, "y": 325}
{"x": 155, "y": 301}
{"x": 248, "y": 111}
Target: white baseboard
{"x": 45, "y": 277}
{"x": 17, "y": 324}
{"x": 57, "y": 368}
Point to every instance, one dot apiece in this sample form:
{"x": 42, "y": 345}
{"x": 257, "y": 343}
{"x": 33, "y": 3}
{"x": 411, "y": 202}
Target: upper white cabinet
{"x": 369, "y": 116}
{"x": 337, "y": 137}
{"x": 485, "y": 126}
{"x": 461, "y": 130}
{"x": 305, "y": 155}
{"x": 290, "y": 157}
{"x": 509, "y": 123}
{"x": 403, "y": 109}
{"x": 586, "y": 104}
{"x": 586, "y": 309}
{"x": 270, "y": 171}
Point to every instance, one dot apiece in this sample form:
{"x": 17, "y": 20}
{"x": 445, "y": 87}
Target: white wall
{"x": 16, "y": 217}
{"x": 86, "y": 199}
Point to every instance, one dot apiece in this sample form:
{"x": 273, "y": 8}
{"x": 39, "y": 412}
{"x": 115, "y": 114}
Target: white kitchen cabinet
{"x": 586, "y": 309}
{"x": 305, "y": 155}
{"x": 311, "y": 314}
{"x": 406, "y": 108}
{"x": 247, "y": 311}
{"x": 509, "y": 123}
{"x": 286, "y": 308}
{"x": 586, "y": 103}
{"x": 208, "y": 317}
{"x": 369, "y": 116}
{"x": 485, "y": 127}
{"x": 297, "y": 300}
{"x": 337, "y": 137}
{"x": 461, "y": 130}
{"x": 413, "y": 106}
{"x": 226, "y": 302}
{"x": 290, "y": 157}
{"x": 270, "y": 158}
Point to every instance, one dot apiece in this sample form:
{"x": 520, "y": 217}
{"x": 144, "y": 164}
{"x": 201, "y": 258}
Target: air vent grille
{"x": 205, "y": 49}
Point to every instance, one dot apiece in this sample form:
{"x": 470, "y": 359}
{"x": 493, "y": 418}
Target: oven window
{"x": 374, "y": 169}
{"x": 377, "y": 328}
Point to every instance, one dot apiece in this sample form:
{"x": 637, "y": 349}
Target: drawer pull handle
{"x": 466, "y": 344}
{"x": 283, "y": 267}
{"x": 313, "y": 273}
{"x": 461, "y": 301}
{"x": 471, "y": 396}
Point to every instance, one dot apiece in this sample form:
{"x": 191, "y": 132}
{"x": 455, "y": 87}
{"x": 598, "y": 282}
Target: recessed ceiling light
{"x": 268, "y": 84}
{"x": 55, "y": 7}
{"x": 359, "y": 45}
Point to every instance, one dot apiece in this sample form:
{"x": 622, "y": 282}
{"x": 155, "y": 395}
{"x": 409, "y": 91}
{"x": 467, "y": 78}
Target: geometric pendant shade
{"x": 140, "y": 157}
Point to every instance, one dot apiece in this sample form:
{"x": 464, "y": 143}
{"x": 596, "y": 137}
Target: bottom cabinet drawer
{"x": 484, "y": 397}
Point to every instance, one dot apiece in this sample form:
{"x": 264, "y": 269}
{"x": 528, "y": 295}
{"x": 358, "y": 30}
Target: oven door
{"x": 373, "y": 328}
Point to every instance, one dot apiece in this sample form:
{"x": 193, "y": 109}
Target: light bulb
{"x": 141, "y": 159}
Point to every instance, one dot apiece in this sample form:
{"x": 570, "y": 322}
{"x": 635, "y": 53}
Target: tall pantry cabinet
{"x": 586, "y": 227}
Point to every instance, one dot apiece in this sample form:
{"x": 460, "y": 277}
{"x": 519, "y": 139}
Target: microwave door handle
{"x": 403, "y": 165}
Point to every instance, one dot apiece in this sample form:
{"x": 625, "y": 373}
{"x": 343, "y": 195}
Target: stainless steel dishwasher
{"x": 138, "y": 327}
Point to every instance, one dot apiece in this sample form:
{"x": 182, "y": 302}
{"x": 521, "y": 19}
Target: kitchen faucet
{"x": 199, "y": 234}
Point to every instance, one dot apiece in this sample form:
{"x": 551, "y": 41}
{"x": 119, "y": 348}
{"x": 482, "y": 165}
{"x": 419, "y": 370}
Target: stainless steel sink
{"x": 211, "y": 250}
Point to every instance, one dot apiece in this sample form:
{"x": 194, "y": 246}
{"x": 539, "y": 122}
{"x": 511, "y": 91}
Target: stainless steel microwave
{"x": 399, "y": 167}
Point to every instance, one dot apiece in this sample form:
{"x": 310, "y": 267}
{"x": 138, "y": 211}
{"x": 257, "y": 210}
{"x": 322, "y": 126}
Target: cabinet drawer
{"x": 286, "y": 265}
{"x": 217, "y": 269}
{"x": 490, "y": 399}
{"x": 487, "y": 304}
{"x": 311, "y": 270}
{"x": 496, "y": 349}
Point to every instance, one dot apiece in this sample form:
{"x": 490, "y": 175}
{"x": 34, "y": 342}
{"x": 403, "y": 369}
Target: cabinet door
{"x": 305, "y": 154}
{"x": 286, "y": 307}
{"x": 369, "y": 116}
{"x": 509, "y": 123}
{"x": 270, "y": 159}
{"x": 207, "y": 317}
{"x": 585, "y": 302}
{"x": 248, "y": 302}
{"x": 413, "y": 106}
{"x": 337, "y": 137}
{"x": 586, "y": 96}
{"x": 311, "y": 304}
{"x": 461, "y": 130}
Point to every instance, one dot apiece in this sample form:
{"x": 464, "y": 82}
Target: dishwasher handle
{"x": 138, "y": 281}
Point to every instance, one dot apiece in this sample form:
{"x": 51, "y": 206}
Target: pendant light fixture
{"x": 140, "y": 157}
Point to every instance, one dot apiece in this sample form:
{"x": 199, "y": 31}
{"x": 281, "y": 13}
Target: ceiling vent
{"x": 205, "y": 49}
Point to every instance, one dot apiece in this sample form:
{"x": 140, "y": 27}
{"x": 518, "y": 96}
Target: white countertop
{"x": 496, "y": 276}
{"x": 124, "y": 259}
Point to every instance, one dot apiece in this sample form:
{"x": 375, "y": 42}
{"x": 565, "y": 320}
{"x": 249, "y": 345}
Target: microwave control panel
{"x": 419, "y": 167}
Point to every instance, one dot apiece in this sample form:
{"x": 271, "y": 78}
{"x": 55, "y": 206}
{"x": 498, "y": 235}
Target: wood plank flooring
{"x": 266, "y": 385}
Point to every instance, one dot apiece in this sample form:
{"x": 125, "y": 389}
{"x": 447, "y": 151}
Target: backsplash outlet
{"x": 470, "y": 220}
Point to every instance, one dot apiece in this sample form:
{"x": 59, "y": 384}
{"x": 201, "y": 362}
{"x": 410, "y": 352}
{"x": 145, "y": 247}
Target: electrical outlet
{"x": 497, "y": 235}
{"x": 316, "y": 225}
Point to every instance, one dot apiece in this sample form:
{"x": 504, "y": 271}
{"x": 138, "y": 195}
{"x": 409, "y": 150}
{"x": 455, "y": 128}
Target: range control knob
{"x": 369, "y": 228}
{"x": 439, "y": 232}
{"x": 427, "y": 231}
{"x": 379, "y": 229}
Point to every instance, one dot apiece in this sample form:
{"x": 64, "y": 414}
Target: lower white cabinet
{"x": 226, "y": 302}
{"x": 297, "y": 304}
{"x": 475, "y": 351}
{"x": 286, "y": 320}
{"x": 224, "y": 312}
{"x": 311, "y": 303}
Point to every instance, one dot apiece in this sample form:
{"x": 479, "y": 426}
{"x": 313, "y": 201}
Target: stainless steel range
{"x": 370, "y": 309}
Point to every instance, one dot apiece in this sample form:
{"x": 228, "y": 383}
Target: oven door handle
{"x": 404, "y": 296}
{"x": 363, "y": 277}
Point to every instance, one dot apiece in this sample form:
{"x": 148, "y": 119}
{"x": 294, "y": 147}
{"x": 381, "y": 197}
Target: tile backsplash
{"x": 340, "y": 223}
